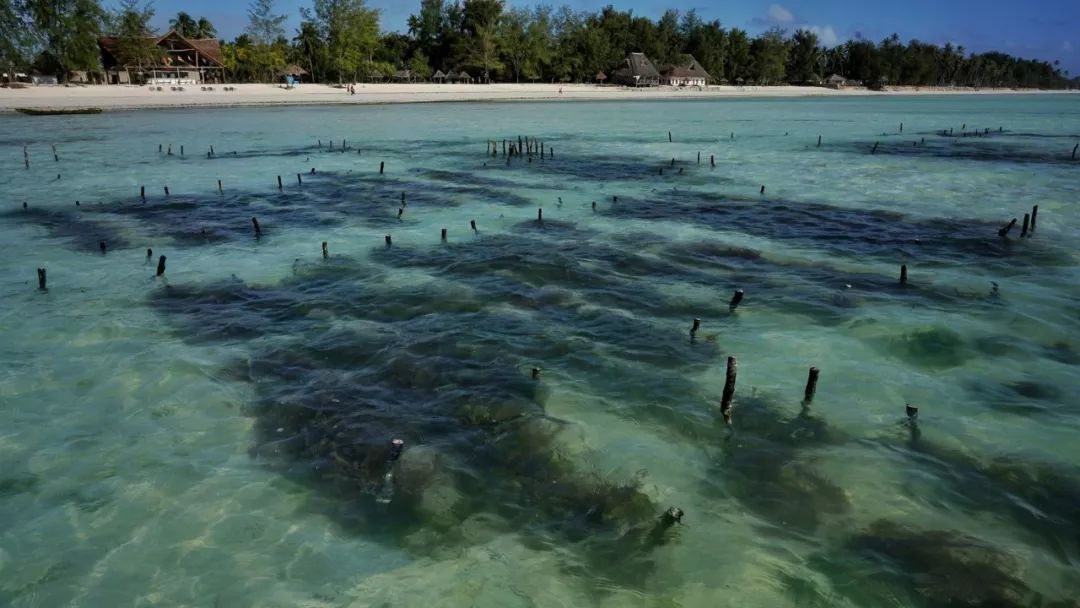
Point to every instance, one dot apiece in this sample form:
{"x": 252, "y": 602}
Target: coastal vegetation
{"x": 341, "y": 40}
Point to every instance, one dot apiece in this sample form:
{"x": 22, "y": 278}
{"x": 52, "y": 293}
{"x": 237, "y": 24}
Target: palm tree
{"x": 183, "y": 24}
{"x": 205, "y": 29}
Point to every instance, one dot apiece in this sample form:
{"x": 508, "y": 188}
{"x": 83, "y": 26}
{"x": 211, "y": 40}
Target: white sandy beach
{"x": 125, "y": 97}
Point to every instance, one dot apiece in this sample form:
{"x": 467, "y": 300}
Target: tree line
{"x": 341, "y": 40}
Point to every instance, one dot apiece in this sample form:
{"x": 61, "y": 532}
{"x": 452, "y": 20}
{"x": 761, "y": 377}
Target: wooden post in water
{"x": 166, "y": 191}
{"x": 299, "y": 181}
{"x": 42, "y": 280}
{"x": 901, "y": 127}
{"x": 142, "y": 193}
{"x": 1034, "y": 214}
{"x": 540, "y": 215}
{"x": 903, "y": 274}
{"x": 149, "y": 254}
{"x": 325, "y": 250}
{"x": 594, "y": 206}
{"x": 400, "y": 212}
{"x": 536, "y": 373}
{"x": 762, "y": 192}
{"x": 1077, "y": 146}
{"x": 220, "y": 191}
{"x": 161, "y": 266}
{"x": 258, "y": 230}
{"x": 169, "y": 153}
{"x": 211, "y": 151}
{"x": 382, "y": 166}
{"x": 472, "y": 224}
{"x": 712, "y": 160}
{"x": 729, "y": 389}
{"x": 811, "y": 386}
{"x": 181, "y": 150}
{"x": 101, "y": 245}
{"x": 912, "y": 411}
{"x": 279, "y": 182}
{"x": 695, "y": 327}
{"x": 443, "y": 235}
{"x": 736, "y": 300}
{"x": 1005, "y": 230}
{"x": 819, "y": 141}
{"x": 389, "y": 241}
{"x": 1024, "y": 229}
{"x": 669, "y": 137}
{"x": 874, "y": 151}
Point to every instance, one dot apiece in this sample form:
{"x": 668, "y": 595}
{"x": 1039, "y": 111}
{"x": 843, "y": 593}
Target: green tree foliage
{"x": 15, "y": 38}
{"x": 183, "y": 24}
{"x": 770, "y": 57}
{"x": 67, "y": 33}
{"x": 806, "y": 59}
{"x": 309, "y": 50}
{"x": 351, "y": 32}
{"x": 265, "y": 29}
{"x": 135, "y": 44}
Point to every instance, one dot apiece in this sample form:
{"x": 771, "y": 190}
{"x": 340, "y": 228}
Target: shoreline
{"x": 128, "y": 97}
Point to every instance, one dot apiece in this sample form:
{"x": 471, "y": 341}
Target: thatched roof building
{"x": 637, "y": 71}
{"x": 687, "y": 72}
{"x": 181, "y": 59}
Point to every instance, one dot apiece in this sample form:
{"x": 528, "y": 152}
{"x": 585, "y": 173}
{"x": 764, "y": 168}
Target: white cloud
{"x": 1067, "y": 46}
{"x": 825, "y": 33}
{"x": 779, "y": 14}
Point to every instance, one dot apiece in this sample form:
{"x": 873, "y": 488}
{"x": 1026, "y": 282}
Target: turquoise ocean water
{"x": 222, "y": 435}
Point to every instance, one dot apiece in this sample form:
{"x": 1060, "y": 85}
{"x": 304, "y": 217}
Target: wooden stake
{"x": 1034, "y": 214}
{"x": 594, "y": 206}
{"x": 540, "y": 215}
{"x": 211, "y": 151}
{"x": 669, "y": 137}
{"x": 811, "y": 386}
{"x": 1077, "y": 146}
{"x": 901, "y": 127}
{"x": 299, "y": 181}
{"x": 443, "y": 235}
{"x": 912, "y": 411}
{"x": 536, "y": 373}
{"x": 874, "y": 151}
{"x": 1005, "y": 230}
{"x": 161, "y": 266}
{"x": 400, "y": 211}
{"x": 258, "y": 230}
{"x": 41, "y": 279}
{"x": 166, "y": 191}
{"x": 903, "y": 274}
{"x": 1027, "y": 222}
{"x": 220, "y": 191}
{"x": 762, "y": 189}
{"x": 389, "y": 241}
{"x": 472, "y": 224}
{"x": 279, "y": 182}
{"x": 382, "y": 165}
{"x": 729, "y": 389}
{"x": 181, "y": 150}
{"x": 736, "y": 300}
{"x": 712, "y": 160}
{"x": 101, "y": 245}
{"x": 819, "y": 141}
{"x": 695, "y": 327}
{"x": 149, "y": 254}
{"x": 142, "y": 193}
{"x": 325, "y": 251}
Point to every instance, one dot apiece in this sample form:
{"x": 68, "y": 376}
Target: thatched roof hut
{"x": 439, "y": 76}
{"x": 637, "y": 71}
{"x": 600, "y": 77}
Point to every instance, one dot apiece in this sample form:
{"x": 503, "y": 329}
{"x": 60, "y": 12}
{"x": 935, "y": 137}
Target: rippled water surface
{"x": 222, "y": 435}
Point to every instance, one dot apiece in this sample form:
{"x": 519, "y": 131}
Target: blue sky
{"x": 1044, "y": 29}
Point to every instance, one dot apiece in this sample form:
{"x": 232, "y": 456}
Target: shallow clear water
{"x": 221, "y": 435}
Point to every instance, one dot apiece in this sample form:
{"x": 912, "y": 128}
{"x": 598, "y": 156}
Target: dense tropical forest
{"x": 341, "y": 40}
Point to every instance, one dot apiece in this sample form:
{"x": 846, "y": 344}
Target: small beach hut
{"x": 835, "y": 81}
{"x": 600, "y": 77}
{"x": 403, "y": 76}
{"x": 439, "y": 77}
{"x": 297, "y": 73}
{"x": 464, "y": 76}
